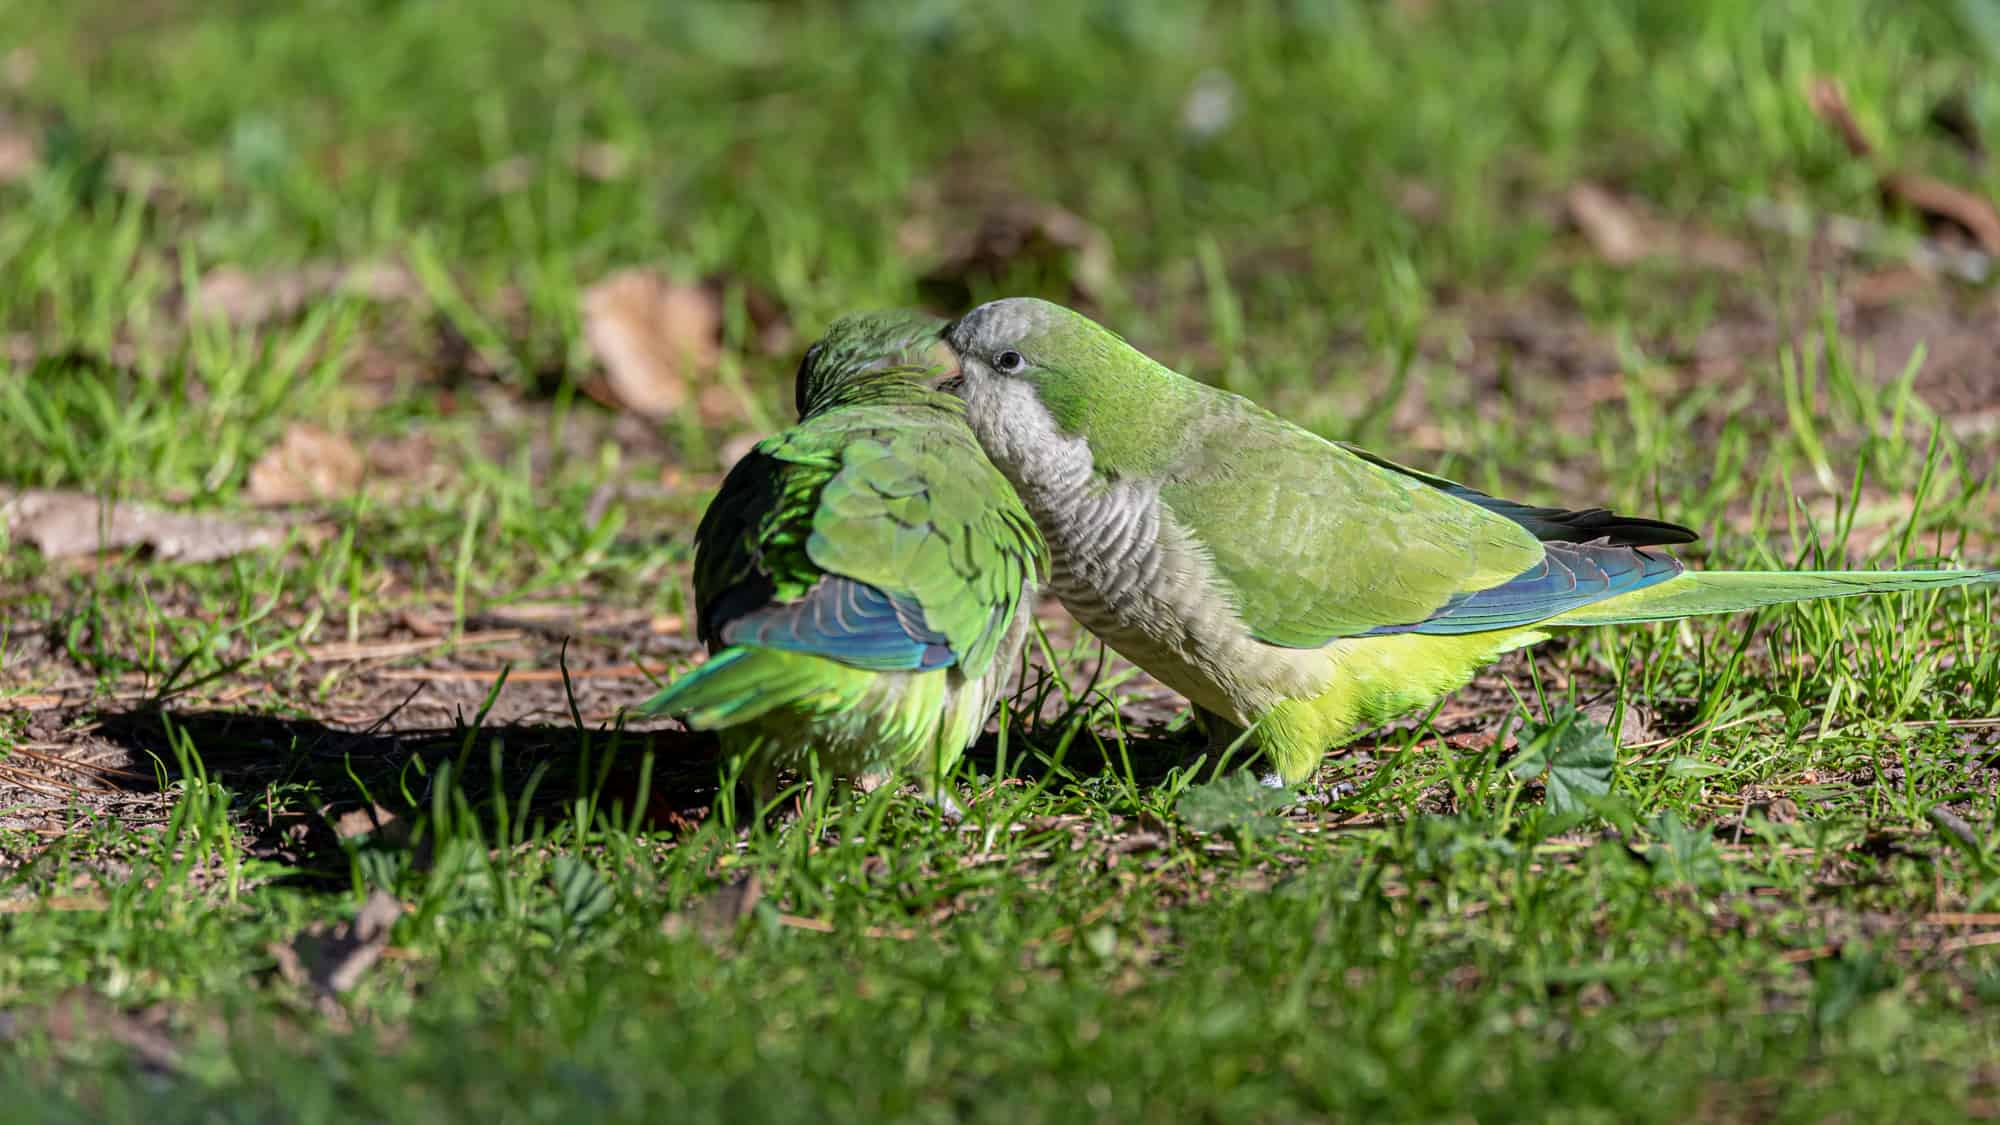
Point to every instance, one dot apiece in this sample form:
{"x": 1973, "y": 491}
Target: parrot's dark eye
{"x": 1008, "y": 363}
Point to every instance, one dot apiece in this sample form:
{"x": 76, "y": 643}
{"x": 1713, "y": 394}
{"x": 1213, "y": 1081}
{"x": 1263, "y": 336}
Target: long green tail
{"x": 1731, "y": 591}
{"x": 740, "y": 684}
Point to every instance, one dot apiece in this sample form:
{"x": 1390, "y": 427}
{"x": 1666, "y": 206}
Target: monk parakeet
{"x": 1290, "y": 585}
{"x": 864, "y": 580}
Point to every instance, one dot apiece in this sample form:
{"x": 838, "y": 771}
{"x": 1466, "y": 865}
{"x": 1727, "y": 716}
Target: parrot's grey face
{"x": 997, "y": 345}
{"x": 996, "y": 341}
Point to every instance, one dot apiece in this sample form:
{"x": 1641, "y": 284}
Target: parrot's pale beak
{"x": 950, "y": 374}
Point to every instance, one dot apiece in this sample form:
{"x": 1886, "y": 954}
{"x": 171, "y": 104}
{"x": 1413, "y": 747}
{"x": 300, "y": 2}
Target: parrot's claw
{"x": 1271, "y": 780}
{"x": 947, "y": 809}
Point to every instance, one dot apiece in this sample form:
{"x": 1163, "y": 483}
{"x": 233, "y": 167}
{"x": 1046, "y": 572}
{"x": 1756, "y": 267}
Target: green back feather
{"x": 881, "y": 482}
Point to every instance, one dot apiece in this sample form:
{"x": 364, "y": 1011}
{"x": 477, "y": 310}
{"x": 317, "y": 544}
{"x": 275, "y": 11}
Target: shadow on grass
{"x": 299, "y": 785}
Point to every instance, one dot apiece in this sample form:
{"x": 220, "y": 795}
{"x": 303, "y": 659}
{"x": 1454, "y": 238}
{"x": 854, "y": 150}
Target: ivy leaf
{"x": 1575, "y": 752}
{"x": 1237, "y": 802}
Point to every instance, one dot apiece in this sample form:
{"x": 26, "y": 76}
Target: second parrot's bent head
{"x": 862, "y": 344}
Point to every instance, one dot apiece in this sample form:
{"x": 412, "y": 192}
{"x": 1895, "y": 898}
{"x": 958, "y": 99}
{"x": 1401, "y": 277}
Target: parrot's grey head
{"x": 872, "y": 343}
{"x": 1003, "y": 339}
{"x": 1032, "y": 374}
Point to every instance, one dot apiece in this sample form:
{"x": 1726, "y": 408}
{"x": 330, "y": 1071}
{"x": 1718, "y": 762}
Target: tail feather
{"x": 1694, "y": 593}
{"x": 740, "y": 684}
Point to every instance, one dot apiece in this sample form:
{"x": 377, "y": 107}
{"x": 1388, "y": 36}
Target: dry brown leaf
{"x": 714, "y": 918}
{"x": 308, "y": 463}
{"x": 239, "y": 296}
{"x": 333, "y": 960}
{"x": 82, "y": 1015}
{"x": 1938, "y": 201}
{"x": 1624, "y": 230}
{"x": 601, "y": 160}
{"x": 18, "y": 154}
{"x": 1933, "y": 199}
{"x": 516, "y": 173}
{"x": 369, "y": 819}
{"x": 1420, "y": 201}
{"x": 62, "y": 524}
{"x": 1829, "y": 101}
{"x": 653, "y": 337}
{"x": 18, "y": 67}
{"x": 1612, "y": 228}
{"x": 1011, "y": 233}
{"x": 1634, "y": 727}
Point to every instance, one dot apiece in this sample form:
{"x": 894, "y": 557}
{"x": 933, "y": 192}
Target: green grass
{"x": 1781, "y": 910}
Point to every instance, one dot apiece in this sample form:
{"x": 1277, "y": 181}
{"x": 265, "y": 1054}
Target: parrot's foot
{"x": 1308, "y": 792}
{"x": 947, "y": 809}
{"x": 865, "y": 783}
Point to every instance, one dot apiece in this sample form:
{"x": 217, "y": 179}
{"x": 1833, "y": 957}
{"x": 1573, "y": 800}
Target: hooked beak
{"x": 950, "y": 377}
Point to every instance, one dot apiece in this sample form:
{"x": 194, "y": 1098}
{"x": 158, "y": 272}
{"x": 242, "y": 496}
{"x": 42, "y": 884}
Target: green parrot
{"x": 1292, "y": 586}
{"x": 865, "y": 579}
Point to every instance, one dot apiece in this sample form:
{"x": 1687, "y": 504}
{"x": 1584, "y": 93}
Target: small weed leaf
{"x": 1683, "y": 854}
{"x": 1691, "y": 767}
{"x": 1237, "y": 802}
{"x": 1577, "y": 755}
{"x": 1841, "y": 983}
{"x": 584, "y": 892}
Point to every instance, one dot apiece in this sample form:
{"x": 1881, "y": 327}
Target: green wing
{"x": 1318, "y": 543}
{"x": 918, "y": 512}
{"x": 876, "y": 534}
{"x": 750, "y": 544}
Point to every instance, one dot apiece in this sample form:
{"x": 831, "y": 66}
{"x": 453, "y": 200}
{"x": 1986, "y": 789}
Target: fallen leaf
{"x": 62, "y": 524}
{"x": 1935, "y": 200}
{"x": 1420, "y": 201}
{"x": 404, "y": 458}
{"x": 601, "y": 160}
{"x": 18, "y": 67}
{"x": 308, "y": 463}
{"x": 1633, "y": 726}
{"x": 421, "y": 624}
{"x": 238, "y": 296}
{"x": 241, "y": 297}
{"x": 1010, "y": 234}
{"x": 1624, "y": 230}
{"x": 371, "y": 819}
{"x": 1611, "y": 227}
{"x": 714, "y": 917}
{"x": 1138, "y": 842}
{"x": 652, "y": 336}
{"x": 333, "y": 960}
{"x": 18, "y": 154}
{"x": 1829, "y": 102}
{"x": 81, "y": 1015}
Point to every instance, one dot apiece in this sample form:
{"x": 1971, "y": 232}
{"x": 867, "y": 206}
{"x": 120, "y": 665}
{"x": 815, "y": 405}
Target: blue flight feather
{"x": 848, "y": 621}
{"x": 1570, "y": 575}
